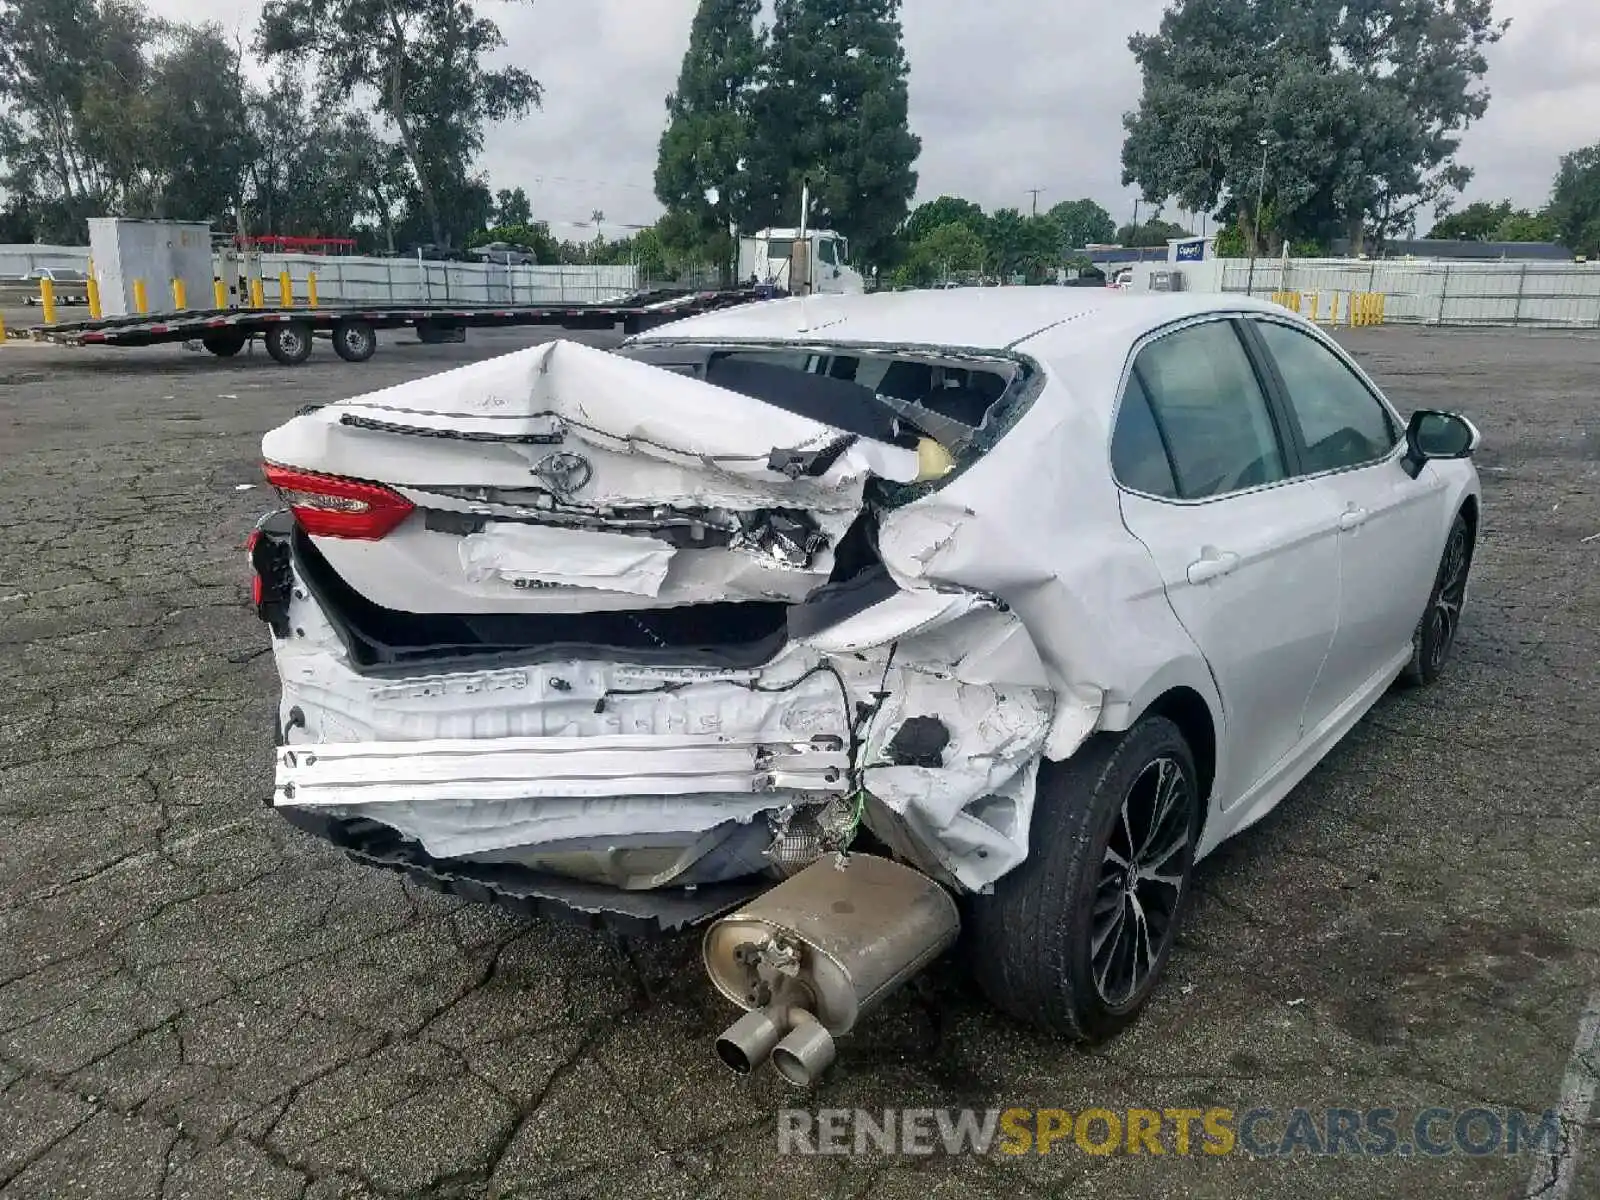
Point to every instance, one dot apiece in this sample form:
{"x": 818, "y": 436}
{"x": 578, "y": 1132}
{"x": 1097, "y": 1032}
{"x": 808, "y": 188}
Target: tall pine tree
{"x": 831, "y": 107}
{"x": 708, "y": 128}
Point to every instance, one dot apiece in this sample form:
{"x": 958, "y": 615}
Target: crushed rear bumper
{"x": 525, "y": 891}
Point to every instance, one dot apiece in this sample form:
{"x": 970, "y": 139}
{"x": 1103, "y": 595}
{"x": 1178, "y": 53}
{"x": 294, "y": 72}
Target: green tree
{"x": 424, "y": 61}
{"x": 1082, "y": 223}
{"x": 512, "y": 207}
{"x": 1525, "y": 226}
{"x": 276, "y": 119}
{"x": 371, "y": 171}
{"x": 196, "y": 136}
{"x": 1150, "y": 233}
{"x": 950, "y": 249}
{"x": 1356, "y": 109}
{"x": 700, "y": 166}
{"x": 1477, "y": 222}
{"x": 74, "y": 109}
{"x": 946, "y": 210}
{"x": 1485, "y": 222}
{"x": 1575, "y": 204}
{"x": 320, "y": 177}
{"x": 1019, "y": 245}
{"x": 832, "y": 109}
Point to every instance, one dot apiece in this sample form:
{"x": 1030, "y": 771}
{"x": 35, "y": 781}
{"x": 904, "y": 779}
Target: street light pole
{"x": 1261, "y": 196}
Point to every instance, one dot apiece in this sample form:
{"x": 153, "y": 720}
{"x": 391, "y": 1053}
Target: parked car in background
{"x": 1041, "y": 593}
{"x": 429, "y": 252}
{"x": 72, "y": 286}
{"x": 507, "y": 253}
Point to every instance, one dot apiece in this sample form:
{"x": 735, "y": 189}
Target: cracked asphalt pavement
{"x": 197, "y": 1001}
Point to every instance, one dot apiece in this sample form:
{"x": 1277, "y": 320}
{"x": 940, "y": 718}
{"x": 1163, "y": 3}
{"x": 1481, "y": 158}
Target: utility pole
{"x": 1034, "y": 192}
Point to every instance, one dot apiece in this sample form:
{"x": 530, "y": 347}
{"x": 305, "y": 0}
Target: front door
{"x": 1388, "y": 546}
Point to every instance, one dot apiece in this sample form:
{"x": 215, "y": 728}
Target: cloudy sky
{"x": 1029, "y": 95}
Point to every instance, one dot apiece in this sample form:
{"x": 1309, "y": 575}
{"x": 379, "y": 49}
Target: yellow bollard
{"x": 2, "y": 331}
{"x": 47, "y": 300}
{"x": 311, "y": 289}
{"x": 180, "y": 295}
{"x": 219, "y": 293}
{"x": 93, "y": 290}
{"x": 285, "y": 290}
{"x": 258, "y": 294}
{"x": 141, "y": 299}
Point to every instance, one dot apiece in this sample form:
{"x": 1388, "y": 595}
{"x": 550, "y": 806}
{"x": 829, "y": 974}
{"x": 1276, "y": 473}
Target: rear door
{"x": 1390, "y": 525}
{"x": 1247, "y": 550}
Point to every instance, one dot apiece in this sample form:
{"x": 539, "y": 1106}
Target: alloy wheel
{"x": 1452, "y": 593}
{"x": 1142, "y": 874}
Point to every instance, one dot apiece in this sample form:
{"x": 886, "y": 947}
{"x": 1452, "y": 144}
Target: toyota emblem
{"x": 565, "y": 473}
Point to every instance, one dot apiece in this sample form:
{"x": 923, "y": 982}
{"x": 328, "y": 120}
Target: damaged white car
{"x": 833, "y": 621}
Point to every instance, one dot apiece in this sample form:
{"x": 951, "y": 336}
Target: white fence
{"x": 362, "y": 280}
{"x": 406, "y": 280}
{"x": 17, "y": 260}
{"x": 1556, "y": 295}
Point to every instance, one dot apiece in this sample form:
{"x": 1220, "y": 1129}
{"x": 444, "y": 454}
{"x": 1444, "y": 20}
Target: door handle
{"x": 1353, "y": 518}
{"x": 1212, "y": 564}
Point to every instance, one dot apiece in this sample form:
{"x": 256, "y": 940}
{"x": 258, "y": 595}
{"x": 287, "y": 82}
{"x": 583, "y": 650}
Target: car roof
{"x": 968, "y": 318}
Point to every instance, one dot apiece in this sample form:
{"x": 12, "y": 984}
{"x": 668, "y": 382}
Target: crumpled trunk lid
{"x": 567, "y": 479}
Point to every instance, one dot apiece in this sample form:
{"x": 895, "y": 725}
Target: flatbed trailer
{"x": 289, "y": 333}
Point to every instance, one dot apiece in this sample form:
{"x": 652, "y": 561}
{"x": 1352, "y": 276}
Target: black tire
{"x": 223, "y": 345}
{"x": 1032, "y": 941}
{"x": 1436, "y": 632}
{"x": 355, "y": 341}
{"x": 289, "y": 343}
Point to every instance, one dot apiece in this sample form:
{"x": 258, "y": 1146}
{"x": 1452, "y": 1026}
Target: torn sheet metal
{"x": 654, "y": 436}
{"x": 564, "y": 436}
{"x": 969, "y": 813}
{"x": 393, "y": 736}
{"x": 1012, "y": 628}
{"x": 535, "y": 556}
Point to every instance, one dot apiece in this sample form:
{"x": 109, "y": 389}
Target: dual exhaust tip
{"x": 801, "y": 1050}
{"x": 811, "y": 957}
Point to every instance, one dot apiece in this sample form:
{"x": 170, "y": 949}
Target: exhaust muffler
{"x": 811, "y": 957}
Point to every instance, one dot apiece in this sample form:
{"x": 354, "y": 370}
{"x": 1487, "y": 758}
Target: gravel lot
{"x": 196, "y": 1001}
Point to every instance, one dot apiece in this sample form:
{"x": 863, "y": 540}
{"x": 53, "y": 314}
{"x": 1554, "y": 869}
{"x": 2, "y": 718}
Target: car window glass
{"x": 1207, "y": 402}
{"x": 825, "y": 251}
{"x": 1138, "y": 456}
{"x": 1342, "y": 422}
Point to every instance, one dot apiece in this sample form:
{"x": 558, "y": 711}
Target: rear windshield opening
{"x": 888, "y": 397}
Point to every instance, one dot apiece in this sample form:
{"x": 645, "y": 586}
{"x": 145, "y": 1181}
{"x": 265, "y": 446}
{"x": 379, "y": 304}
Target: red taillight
{"x": 327, "y": 506}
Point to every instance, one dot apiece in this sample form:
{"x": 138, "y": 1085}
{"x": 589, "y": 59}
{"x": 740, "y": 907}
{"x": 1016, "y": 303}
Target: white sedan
{"x": 1041, "y": 593}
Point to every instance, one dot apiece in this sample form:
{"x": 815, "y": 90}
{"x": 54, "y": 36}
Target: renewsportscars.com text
{"x": 1260, "y": 1132}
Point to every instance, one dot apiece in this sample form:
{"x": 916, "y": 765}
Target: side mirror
{"x": 1433, "y": 434}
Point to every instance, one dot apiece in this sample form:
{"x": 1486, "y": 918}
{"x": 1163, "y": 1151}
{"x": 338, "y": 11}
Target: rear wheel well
{"x": 1188, "y": 710}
